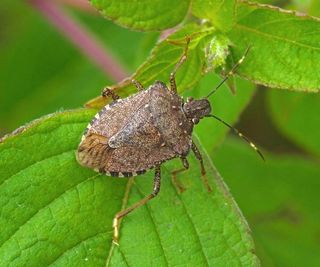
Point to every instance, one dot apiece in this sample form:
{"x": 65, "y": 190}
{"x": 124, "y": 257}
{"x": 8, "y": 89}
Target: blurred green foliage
{"x": 42, "y": 72}
{"x": 39, "y": 67}
{"x": 280, "y": 201}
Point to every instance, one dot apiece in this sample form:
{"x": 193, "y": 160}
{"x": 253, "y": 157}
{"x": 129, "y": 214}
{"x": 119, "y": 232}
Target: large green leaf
{"x": 296, "y": 116}
{"x": 280, "y": 200}
{"x": 144, "y": 15}
{"x": 221, "y": 13}
{"x": 53, "y": 211}
{"x": 285, "y": 47}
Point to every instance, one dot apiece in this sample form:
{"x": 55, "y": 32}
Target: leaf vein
{"x": 74, "y": 246}
{"x": 192, "y": 224}
{"x": 155, "y": 226}
{"x": 34, "y": 163}
{"x": 272, "y": 37}
{"x": 46, "y": 205}
{"x": 123, "y": 256}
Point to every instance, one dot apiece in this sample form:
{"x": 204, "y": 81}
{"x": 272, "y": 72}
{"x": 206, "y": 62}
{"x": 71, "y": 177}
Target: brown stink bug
{"x": 132, "y": 135}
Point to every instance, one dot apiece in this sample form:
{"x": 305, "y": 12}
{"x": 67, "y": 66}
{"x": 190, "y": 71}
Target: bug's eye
{"x": 195, "y": 120}
{"x": 189, "y": 99}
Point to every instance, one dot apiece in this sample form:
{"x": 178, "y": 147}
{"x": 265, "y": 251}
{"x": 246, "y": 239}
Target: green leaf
{"x": 167, "y": 53}
{"x": 295, "y": 116}
{"x": 280, "y": 200}
{"x": 219, "y": 12}
{"x": 164, "y": 57}
{"x": 53, "y": 211}
{"x": 285, "y": 47}
{"x": 314, "y": 8}
{"x": 144, "y": 15}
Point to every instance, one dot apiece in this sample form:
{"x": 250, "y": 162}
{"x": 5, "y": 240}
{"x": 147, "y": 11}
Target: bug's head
{"x": 195, "y": 110}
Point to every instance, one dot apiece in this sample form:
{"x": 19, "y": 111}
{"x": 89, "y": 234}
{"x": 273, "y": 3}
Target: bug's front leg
{"x": 107, "y": 92}
{"x": 183, "y": 58}
{"x": 203, "y": 171}
{"x": 138, "y": 85}
{"x": 121, "y": 214}
{"x": 199, "y": 157}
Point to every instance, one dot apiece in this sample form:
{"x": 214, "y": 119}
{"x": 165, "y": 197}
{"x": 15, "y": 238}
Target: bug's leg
{"x": 174, "y": 174}
{"x": 107, "y": 92}
{"x": 138, "y": 85}
{"x": 121, "y": 214}
{"x": 199, "y": 157}
{"x": 173, "y": 86}
{"x": 203, "y": 171}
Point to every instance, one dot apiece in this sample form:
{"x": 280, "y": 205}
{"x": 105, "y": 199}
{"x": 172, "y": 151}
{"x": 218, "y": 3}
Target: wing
{"x": 114, "y": 116}
{"x": 94, "y": 150}
{"x": 139, "y": 131}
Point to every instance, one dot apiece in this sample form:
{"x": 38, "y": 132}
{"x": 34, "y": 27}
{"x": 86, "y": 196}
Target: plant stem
{"x": 82, "y": 38}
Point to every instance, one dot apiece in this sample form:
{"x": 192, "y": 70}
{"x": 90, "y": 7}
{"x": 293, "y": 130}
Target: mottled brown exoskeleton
{"x": 132, "y": 135}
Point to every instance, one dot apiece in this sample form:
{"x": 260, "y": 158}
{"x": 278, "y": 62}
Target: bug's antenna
{"x": 239, "y": 134}
{"x": 231, "y": 72}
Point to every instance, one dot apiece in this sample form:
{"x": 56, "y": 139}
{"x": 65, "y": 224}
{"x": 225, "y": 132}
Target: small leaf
{"x": 144, "y": 15}
{"x": 216, "y": 52}
{"x": 219, "y": 12}
{"x": 285, "y": 47}
{"x": 53, "y": 211}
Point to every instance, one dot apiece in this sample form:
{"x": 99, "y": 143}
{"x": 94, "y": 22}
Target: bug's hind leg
{"x": 203, "y": 171}
{"x": 138, "y": 85}
{"x": 178, "y": 185}
{"x": 107, "y": 92}
{"x": 183, "y": 58}
{"x": 121, "y": 214}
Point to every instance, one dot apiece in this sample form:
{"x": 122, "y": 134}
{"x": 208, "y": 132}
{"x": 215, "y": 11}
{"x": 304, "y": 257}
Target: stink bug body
{"x": 132, "y": 135}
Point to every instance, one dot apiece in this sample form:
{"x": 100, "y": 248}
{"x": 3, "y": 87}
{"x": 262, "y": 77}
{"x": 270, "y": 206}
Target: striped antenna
{"x": 231, "y": 72}
{"x": 239, "y": 134}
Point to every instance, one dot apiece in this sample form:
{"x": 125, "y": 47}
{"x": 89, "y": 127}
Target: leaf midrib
{"x": 192, "y": 223}
{"x": 226, "y": 192}
{"x": 272, "y": 37}
{"x": 154, "y": 226}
